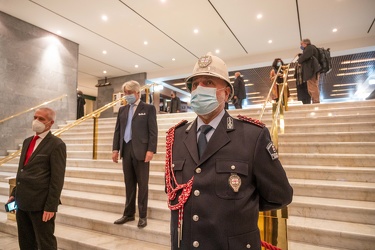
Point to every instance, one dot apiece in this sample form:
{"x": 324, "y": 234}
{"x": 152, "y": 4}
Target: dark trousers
{"x": 303, "y": 94}
{"x": 238, "y": 103}
{"x": 33, "y": 233}
{"x": 135, "y": 172}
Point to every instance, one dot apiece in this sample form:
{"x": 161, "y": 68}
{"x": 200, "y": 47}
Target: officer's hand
{"x": 11, "y": 198}
{"x": 115, "y": 157}
{"x": 149, "y": 156}
{"x": 47, "y": 216}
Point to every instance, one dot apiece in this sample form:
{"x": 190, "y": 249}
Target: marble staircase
{"x": 327, "y": 151}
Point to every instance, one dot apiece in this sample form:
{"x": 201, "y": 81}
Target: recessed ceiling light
{"x": 334, "y": 30}
{"x": 173, "y": 59}
{"x": 136, "y": 66}
{"x": 217, "y": 51}
{"x": 259, "y": 16}
{"x": 58, "y": 32}
{"x": 163, "y": 1}
{"x": 104, "y": 52}
{"x": 104, "y": 72}
{"x": 196, "y": 31}
{"x": 145, "y": 42}
{"x": 269, "y": 41}
{"x": 104, "y": 18}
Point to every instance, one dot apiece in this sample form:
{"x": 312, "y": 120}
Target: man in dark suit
{"x": 135, "y": 137}
{"x": 39, "y": 181}
{"x": 239, "y": 90}
{"x": 220, "y": 171}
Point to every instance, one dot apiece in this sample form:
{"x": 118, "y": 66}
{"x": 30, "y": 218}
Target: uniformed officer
{"x": 220, "y": 171}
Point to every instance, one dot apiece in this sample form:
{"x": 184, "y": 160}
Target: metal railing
{"x": 33, "y": 108}
{"x": 95, "y": 115}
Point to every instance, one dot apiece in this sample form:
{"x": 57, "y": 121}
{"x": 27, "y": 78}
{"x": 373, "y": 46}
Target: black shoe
{"x": 142, "y": 222}
{"x": 124, "y": 219}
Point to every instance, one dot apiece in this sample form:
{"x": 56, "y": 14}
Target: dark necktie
{"x": 30, "y": 149}
{"x": 128, "y": 129}
{"x": 202, "y": 140}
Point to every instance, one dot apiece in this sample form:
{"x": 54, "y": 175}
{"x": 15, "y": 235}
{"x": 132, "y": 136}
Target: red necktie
{"x": 30, "y": 149}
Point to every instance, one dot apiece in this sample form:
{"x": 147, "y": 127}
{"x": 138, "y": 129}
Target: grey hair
{"x": 307, "y": 41}
{"x": 132, "y": 86}
{"x": 51, "y": 114}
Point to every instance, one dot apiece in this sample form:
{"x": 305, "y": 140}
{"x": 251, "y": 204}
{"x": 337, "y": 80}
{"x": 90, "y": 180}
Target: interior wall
{"x": 35, "y": 66}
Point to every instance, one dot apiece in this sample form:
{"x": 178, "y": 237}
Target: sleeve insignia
{"x": 251, "y": 120}
{"x": 272, "y": 151}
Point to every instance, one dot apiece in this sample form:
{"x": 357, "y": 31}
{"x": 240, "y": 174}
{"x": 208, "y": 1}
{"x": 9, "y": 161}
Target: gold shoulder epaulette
{"x": 251, "y": 120}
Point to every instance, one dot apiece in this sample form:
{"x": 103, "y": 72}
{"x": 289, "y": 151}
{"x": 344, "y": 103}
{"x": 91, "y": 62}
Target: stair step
{"x": 358, "y": 136}
{"x": 360, "y": 191}
{"x": 331, "y": 233}
{"x": 71, "y": 237}
{"x": 328, "y": 147}
{"x": 333, "y": 173}
{"x": 109, "y": 164}
{"x": 333, "y": 209}
{"x": 308, "y": 128}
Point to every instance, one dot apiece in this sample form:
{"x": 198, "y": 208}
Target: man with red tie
{"x": 39, "y": 182}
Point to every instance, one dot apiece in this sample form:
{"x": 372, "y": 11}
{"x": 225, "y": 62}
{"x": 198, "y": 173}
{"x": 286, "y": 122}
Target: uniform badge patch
{"x": 229, "y": 123}
{"x": 272, "y": 151}
{"x": 234, "y": 182}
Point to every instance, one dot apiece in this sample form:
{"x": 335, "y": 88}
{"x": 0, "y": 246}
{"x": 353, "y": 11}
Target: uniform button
{"x": 172, "y": 165}
{"x": 21, "y": 170}
{"x": 198, "y": 170}
{"x": 197, "y": 193}
{"x": 248, "y": 246}
{"x": 195, "y": 244}
{"x": 233, "y": 167}
{"x": 18, "y": 183}
{"x": 195, "y": 217}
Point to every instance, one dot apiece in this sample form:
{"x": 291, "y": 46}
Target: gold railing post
{"x": 12, "y": 184}
{"x": 95, "y": 136}
{"x": 273, "y": 227}
{"x": 147, "y": 92}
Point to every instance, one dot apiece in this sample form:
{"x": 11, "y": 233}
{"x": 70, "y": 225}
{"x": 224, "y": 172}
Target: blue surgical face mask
{"x": 302, "y": 48}
{"x": 203, "y": 100}
{"x": 130, "y": 99}
{"x": 278, "y": 64}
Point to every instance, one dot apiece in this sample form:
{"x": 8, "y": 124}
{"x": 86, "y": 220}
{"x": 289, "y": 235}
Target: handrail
{"x": 268, "y": 96}
{"x": 95, "y": 115}
{"x": 33, "y": 108}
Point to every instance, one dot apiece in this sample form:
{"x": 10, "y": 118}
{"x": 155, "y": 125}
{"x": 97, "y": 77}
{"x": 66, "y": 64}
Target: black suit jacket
{"x": 39, "y": 183}
{"x": 144, "y": 130}
{"x": 239, "y": 88}
{"x": 215, "y": 215}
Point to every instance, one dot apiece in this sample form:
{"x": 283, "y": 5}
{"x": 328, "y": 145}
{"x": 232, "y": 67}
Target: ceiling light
{"x": 163, "y": 1}
{"x": 217, "y": 51}
{"x": 344, "y": 84}
{"x": 334, "y": 30}
{"x": 196, "y": 31}
{"x": 358, "y": 61}
{"x": 269, "y": 41}
{"x": 104, "y": 18}
{"x": 173, "y": 59}
{"x": 358, "y": 67}
{"x": 136, "y": 66}
{"x": 253, "y": 93}
{"x": 291, "y": 80}
{"x": 259, "y": 16}
{"x": 259, "y": 100}
{"x": 249, "y": 84}
{"x": 145, "y": 42}
{"x": 104, "y": 72}
{"x": 340, "y": 90}
{"x": 104, "y": 52}
{"x": 339, "y": 94}
{"x": 352, "y": 73}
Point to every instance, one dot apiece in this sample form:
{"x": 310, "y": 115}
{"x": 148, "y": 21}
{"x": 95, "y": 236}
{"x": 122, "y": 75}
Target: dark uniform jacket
{"x": 216, "y": 217}
{"x": 144, "y": 130}
{"x": 239, "y": 88}
{"x": 40, "y": 181}
{"x": 309, "y": 62}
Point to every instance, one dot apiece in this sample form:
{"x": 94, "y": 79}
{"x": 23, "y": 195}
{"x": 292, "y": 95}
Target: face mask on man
{"x": 278, "y": 64}
{"x": 130, "y": 98}
{"x": 38, "y": 126}
{"x": 302, "y": 48}
{"x": 203, "y": 100}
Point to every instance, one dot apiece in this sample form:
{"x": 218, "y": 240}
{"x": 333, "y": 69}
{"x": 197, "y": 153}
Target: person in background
{"x": 220, "y": 171}
{"x": 302, "y": 92}
{"x": 310, "y": 69}
{"x": 175, "y": 103}
{"x": 80, "y": 104}
{"x": 239, "y": 90}
{"x": 40, "y": 179}
{"x": 277, "y": 63}
{"x": 135, "y": 140}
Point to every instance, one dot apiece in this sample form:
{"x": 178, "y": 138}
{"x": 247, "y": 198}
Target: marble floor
{"x": 8, "y": 242}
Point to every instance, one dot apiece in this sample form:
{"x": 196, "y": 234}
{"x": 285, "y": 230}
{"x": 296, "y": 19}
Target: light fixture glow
{"x": 344, "y": 84}
{"x": 136, "y": 66}
{"x": 104, "y": 18}
{"x": 104, "y": 72}
{"x": 196, "y": 31}
{"x": 269, "y": 41}
{"x": 249, "y": 84}
{"x": 173, "y": 59}
{"x": 217, "y": 51}
{"x": 358, "y": 61}
{"x": 104, "y": 52}
{"x": 352, "y": 73}
{"x": 334, "y": 30}
{"x": 259, "y": 16}
{"x": 145, "y": 42}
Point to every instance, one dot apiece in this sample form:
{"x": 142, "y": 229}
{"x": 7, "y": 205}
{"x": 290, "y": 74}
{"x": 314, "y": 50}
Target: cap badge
{"x": 234, "y": 182}
{"x": 204, "y": 61}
